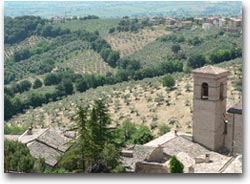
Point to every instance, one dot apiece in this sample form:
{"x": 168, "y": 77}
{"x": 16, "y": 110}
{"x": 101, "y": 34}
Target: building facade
{"x": 210, "y": 87}
{"x": 214, "y": 126}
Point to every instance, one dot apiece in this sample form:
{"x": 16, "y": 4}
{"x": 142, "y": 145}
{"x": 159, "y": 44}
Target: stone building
{"x": 46, "y": 143}
{"x": 214, "y": 147}
{"x": 207, "y": 26}
{"x": 210, "y": 89}
{"x": 234, "y": 129}
{"x": 214, "y": 126}
{"x": 154, "y": 156}
{"x": 216, "y": 143}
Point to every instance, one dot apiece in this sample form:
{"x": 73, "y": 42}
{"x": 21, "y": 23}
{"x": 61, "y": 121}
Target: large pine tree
{"x": 94, "y": 142}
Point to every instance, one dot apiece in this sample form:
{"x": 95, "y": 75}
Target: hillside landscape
{"x": 138, "y": 65}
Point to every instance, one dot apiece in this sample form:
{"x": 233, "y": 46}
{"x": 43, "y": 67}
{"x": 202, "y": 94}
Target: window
{"x": 204, "y": 91}
{"x": 221, "y": 91}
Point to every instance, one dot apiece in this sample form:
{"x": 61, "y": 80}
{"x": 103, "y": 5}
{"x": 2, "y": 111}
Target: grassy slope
{"x": 64, "y": 56}
{"x": 86, "y": 61}
{"x": 127, "y": 43}
{"x": 25, "y": 44}
{"x": 42, "y": 91}
{"x": 135, "y": 100}
{"x": 157, "y": 51}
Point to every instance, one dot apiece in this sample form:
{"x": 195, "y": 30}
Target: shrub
{"x": 113, "y": 57}
{"x": 188, "y": 87}
{"x": 15, "y": 130}
{"x": 111, "y": 30}
{"x": 37, "y": 84}
{"x": 195, "y": 41}
{"x": 175, "y": 166}
{"x": 175, "y": 48}
{"x": 142, "y": 135}
{"x": 153, "y": 125}
{"x": 81, "y": 85}
{"x": 172, "y": 121}
{"x": 52, "y": 79}
{"x": 163, "y": 129}
{"x": 168, "y": 81}
{"x": 25, "y": 85}
{"x": 197, "y": 61}
{"x": 65, "y": 88}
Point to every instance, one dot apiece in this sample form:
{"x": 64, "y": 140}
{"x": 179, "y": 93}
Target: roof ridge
{"x": 46, "y": 129}
{"x": 213, "y": 68}
{"x": 210, "y": 69}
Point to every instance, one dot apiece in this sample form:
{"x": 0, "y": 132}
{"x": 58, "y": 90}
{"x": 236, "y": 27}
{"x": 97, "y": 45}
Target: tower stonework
{"x": 209, "y": 107}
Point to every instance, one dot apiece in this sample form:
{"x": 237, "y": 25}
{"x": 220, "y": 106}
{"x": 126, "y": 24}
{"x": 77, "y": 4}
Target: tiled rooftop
{"x": 38, "y": 150}
{"x": 209, "y": 69}
{"x": 188, "y": 152}
{"x": 45, "y": 143}
{"x": 25, "y": 138}
{"x": 55, "y": 139}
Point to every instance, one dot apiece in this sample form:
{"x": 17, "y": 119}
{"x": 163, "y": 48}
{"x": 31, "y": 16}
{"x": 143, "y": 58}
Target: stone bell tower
{"x": 210, "y": 94}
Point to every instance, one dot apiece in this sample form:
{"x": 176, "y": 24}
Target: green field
{"x": 40, "y": 91}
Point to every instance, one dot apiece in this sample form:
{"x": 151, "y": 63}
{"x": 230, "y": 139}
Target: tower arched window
{"x": 204, "y": 91}
{"x": 221, "y": 91}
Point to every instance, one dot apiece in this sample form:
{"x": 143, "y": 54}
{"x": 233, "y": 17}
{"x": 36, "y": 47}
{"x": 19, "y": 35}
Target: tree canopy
{"x": 37, "y": 84}
{"x": 18, "y": 28}
{"x": 175, "y": 166}
{"x": 17, "y": 157}
{"x": 95, "y": 147}
{"x": 168, "y": 81}
{"x": 175, "y": 48}
{"x": 197, "y": 61}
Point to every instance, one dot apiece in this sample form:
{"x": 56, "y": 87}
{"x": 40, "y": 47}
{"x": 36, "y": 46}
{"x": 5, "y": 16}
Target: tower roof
{"x": 209, "y": 69}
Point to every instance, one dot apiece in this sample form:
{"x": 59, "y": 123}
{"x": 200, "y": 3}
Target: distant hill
{"x": 49, "y": 9}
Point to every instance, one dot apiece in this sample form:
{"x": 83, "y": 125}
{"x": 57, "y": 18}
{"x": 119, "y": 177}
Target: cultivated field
{"x": 25, "y": 44}
{"x": 127, "y": 43}
{"x": 143, "y": 102}
{"x": 157, "y": 51}
{"x": 86, "y": 61}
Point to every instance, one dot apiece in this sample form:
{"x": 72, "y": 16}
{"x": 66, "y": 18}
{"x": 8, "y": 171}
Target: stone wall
{"x": 234, "y": 133}
{"x": 156, "y": 155}
{"x": 150, "y": 167}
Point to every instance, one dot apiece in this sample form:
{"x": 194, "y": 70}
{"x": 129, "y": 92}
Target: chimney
{"x": 175, "y": 132}
{"x": 29, "y": 131}
{"x": 207, "y": 158}
{"x": 190, "y": 169}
